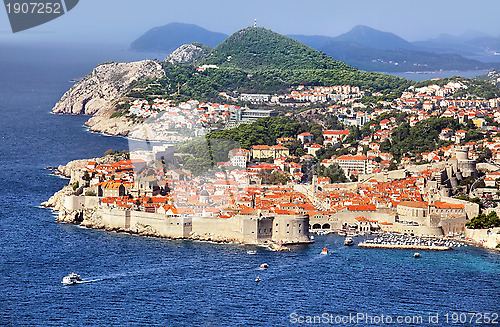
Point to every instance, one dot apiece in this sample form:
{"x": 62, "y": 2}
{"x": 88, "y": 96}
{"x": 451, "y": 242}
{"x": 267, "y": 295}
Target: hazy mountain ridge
{"x": 369, "y": 49}
{"x": 168, "y": 38}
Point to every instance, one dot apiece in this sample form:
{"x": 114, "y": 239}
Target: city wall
{"x": 163, "y": 226}
{"x": 489, "y": 238}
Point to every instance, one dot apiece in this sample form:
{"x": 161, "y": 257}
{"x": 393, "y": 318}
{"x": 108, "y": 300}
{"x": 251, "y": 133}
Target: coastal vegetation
{"x": 409, "y": 140}
{"x": 484, "y": 221}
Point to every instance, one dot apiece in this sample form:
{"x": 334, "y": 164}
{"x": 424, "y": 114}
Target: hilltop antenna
{"x": 255, "y": 22}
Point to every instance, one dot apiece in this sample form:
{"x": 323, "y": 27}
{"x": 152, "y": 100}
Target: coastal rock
{"x": 188, "y": 54}
{"x": 56, "y": 202}
{"x": 72, "y": 166}
{"x": 95, "y": 93}
{"x": 119, "y": 126}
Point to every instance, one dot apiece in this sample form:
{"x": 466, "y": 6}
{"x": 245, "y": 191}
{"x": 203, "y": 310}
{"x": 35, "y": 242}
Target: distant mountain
{"x": 372, "y": 38}
{"x": 372, "y": 50}
{"x": 169, "y": 37}
{"x": 256, "y": 48}
{"x": 398, "y": 60}
{"x": 314, "y": 41}
{"x": 473, "y": 44}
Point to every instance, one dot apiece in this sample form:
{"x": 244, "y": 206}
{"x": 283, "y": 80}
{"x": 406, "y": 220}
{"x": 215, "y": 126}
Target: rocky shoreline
{"x": 91, "y": 217}
{"x": 96, "y": 94}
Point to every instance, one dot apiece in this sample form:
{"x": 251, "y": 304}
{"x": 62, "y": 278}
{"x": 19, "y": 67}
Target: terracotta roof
{"x": 413, "y": 204}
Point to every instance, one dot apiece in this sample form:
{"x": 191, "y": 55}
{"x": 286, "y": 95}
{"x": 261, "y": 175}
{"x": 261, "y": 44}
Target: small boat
{"x": 71, "y": 279}
{"x": 257, "y": 279}
{"x": 264, "y": 266}
{"x": 348, "y": 241}
{"x": 416, "y": 255}
{"x": 251, "y": 252}
{"x": 324, "y": 251}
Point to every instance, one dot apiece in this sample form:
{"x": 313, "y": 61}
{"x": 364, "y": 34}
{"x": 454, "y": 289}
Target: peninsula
{"x": 265, "y": 140}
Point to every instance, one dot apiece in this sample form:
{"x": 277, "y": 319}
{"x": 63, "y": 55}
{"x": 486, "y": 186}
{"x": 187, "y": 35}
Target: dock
{"x": 405, "y": 246}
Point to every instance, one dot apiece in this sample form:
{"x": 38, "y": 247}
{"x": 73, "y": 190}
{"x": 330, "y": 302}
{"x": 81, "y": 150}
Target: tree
{"x": 86, "y": 176}
{"x": 392, "y": 166}
{"x": 484, "y": 221}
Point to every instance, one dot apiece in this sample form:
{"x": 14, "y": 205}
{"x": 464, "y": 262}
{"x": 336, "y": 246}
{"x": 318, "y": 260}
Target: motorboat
{"x": 71, "y": 279}
{"x": 264, "y": 266}
{"x": 348, "y": 241}
{"x": 324, "y": 251}
{"x": 251, "y": 252}
{"x": 257, "y": 279}
{"x": 416, "y": 255}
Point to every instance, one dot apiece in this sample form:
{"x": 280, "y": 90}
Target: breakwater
{"x": 400, "y": 246}
{"x": 396, "y": 241}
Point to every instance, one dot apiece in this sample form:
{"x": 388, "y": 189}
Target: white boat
{"x": 348, "y": 241}
{"x": 257, "y": 279}
{"x": 264, "y": 266}
{"x": 71, "y": 279}
{"x": 416, "y": 255}
{"x": 251, "y": 252}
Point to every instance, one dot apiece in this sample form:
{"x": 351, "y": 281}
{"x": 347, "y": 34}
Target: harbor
{"x": 395, "y": 241}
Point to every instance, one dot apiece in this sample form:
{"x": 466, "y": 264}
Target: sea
{"x": 142, "y": 281}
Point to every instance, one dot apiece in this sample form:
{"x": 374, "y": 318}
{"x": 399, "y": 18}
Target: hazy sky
{"x": 122, "y": 21}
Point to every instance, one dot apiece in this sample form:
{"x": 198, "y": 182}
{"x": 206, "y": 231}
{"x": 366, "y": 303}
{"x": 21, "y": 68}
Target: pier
{"x": 392, "y": 241}
{"x": 402, "y": 246}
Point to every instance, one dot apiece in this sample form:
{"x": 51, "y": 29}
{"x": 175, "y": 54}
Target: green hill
{"x": 256, "y": 49}
{"x": 257, "y": 60}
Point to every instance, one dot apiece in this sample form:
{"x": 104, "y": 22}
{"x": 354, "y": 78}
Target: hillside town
{"x": 422, "y": 194}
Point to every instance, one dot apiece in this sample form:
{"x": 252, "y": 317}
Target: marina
{"x": 396, "y": 241}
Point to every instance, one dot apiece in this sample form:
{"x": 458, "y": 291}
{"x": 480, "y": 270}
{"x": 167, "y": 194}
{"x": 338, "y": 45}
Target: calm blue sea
{"x": 137, "y": 281}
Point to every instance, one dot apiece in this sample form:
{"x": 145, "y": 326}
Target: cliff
{"x": 188, "y": 54}
{"x": 94, "y": 94}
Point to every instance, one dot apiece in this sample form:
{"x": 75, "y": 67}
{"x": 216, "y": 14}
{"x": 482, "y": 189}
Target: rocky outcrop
{"x": 56, "y": 201}
{"x": 188, "y": 54}
{"x": 74, "y": 170}
{"x": 118, "y": 126}
{"x": 97, "y": 91}
{"x": 494, "y": 77}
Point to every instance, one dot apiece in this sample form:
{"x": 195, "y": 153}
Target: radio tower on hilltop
{"x": 255, "y": 22}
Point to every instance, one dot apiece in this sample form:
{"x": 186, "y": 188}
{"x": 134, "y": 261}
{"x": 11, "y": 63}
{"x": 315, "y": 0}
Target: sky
{"x": 122, "y": 21}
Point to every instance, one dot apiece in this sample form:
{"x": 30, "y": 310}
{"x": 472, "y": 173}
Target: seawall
{"x": 407, "y": 247}
{"x": 489, "y": 238}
